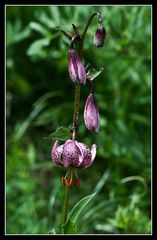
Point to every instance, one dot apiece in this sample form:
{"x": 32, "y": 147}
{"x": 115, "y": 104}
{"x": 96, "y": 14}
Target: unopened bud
{"x": 76, "y": 69}
{"x": 99, "y": 36}
{"x": 91, "y": 114}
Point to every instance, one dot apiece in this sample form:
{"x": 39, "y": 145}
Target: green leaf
{"x": 37, "y": 46}
{"x": 65, "y": 33}
{"x": 62, "y": 133}
{"x": 93, "y": 73}
{"x": 21, "y": 129}
{"x": 52, "y": 231}
{"x": 70, "y": 226}
{"x": 75, "y": 29}
{"x": 38, "y": 28}
{"x": 77, "y": 209}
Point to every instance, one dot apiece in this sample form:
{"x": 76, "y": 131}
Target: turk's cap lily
{"x": 91, "y": 114}
{"x": 73, "y": 154}
{"x": 76, "y": 69}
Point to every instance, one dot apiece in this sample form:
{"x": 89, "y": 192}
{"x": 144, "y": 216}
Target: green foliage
{"x": 70, "y": 226}
{"x": 62, "y": 133}
{"x": 127, "y": 219}
{"x": 40, "y": 98}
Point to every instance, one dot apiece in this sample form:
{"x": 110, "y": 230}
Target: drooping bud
{"x": 91, "y": 114}
{"x": 100, "y": 34}
{"x": 76, "y": 69}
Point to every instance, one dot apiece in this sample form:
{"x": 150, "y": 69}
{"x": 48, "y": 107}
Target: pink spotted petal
{"x": 56, "y": 154}
{"x": 93, "y": 154}
{"x": 70, "y": 154}
{"x": 93, "y": 151}
{"x": 80, "y": 153}
{"x": 86, "y": 155}
{"x": 55, "y": 146}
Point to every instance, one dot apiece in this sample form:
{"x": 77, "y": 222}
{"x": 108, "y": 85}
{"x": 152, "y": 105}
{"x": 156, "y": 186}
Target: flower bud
{"x": 76, "y": 69}
{"x": 99, "y": 36}
{"x": 91, "y": 114}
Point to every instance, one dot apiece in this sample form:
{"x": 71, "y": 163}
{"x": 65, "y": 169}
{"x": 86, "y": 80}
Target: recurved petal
{"x": 80, "y": 153}
{"x": 56, "y": 154}
{"x": 70, "y": 156}
{"x": 85, "y": 158}
{"x": 93, "y": 151}
{"x": 55, "y": 146}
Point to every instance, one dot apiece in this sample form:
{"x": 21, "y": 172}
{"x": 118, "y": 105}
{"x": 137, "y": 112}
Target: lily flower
{"x": 73, "y": 154}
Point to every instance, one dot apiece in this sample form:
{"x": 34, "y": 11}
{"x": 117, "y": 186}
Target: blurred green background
{"x": 39, "y": 98}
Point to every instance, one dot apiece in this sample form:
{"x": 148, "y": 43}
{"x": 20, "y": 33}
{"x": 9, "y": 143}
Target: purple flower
{"x": 76, "y": 69}
{"x": 73, "y": 154}
{"x": 91, "y": 114}
{"x": 99, "y": 36}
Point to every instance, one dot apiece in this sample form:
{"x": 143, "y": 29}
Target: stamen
{"x": 78, "y": 182}
{"x": 76, "y": 174}
{"x": 71, "y": 182}
{"x": 66, "y": 181}
{"x": 63, "y": 180}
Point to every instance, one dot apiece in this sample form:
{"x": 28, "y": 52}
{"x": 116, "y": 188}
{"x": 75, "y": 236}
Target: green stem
{"x": 87, "y": 25}
{"x": 75, "y": 116}
{"x": 65, "y": 208}
{"x": 76, "y": 110}
{"x": 66, "y": 201}
{"x": 77, "y": 95}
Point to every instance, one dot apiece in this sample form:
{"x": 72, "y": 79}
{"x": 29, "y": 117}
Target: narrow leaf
{"x": 38, "y": 27}
{"x": 70, "y": 227}
{"x": 65, "y": 33}
{"x": 37, "y": 46}
{"x": 75, "y": 29}
{"x": 62, "y": 133}
{"x": 77, "y": 209}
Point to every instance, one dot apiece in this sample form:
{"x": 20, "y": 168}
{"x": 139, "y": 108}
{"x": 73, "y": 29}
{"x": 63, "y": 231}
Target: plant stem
{"x": 76, "y": 110}
{"x": 77, "y": 95}
{"x": 65, "y": 209}
{"x": 66, "y": 201}
{"x": 75, "y": 115}
{"x": 88, "y": 23}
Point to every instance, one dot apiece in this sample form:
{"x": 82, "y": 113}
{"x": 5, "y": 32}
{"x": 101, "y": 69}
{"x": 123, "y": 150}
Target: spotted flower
{"x": 73, "y": 154}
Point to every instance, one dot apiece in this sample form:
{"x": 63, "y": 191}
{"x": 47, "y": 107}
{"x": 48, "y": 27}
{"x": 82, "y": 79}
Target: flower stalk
{"x": 74, "y": 154}
{"x": 66, "y": 203}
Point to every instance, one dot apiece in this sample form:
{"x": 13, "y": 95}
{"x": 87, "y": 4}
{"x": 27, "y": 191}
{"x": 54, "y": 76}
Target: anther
{"x": 71, "y": 182}
{"x": 78, "y": 182}
{"x": 63, "y": 180}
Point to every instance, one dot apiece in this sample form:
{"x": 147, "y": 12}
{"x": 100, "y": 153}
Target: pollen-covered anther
{"x": 71, "y": 182}
{"x": 78, "y": 182}
{"x": 65, "y": 181}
